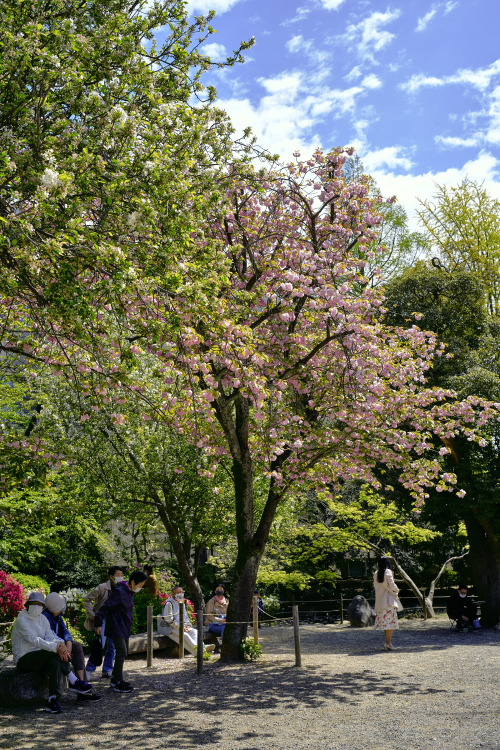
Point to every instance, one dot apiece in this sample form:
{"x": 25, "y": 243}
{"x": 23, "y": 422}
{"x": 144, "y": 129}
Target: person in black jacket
{"x": 117, "y": 611}
{"x": 461, "y": 608}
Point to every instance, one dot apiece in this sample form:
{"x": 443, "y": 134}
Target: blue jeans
{"x": 109, "y": 655}
{"x": 217, "y": 628}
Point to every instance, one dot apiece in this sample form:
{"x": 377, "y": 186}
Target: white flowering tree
{"x": 110, "y": 152}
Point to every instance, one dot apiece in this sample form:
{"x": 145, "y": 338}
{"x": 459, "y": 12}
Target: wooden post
{"x": 341, "y": 604}
{"x": 149, "y": 662}
{"x": 255, "y": 613}
{"x": 199, "y": 650}
{"x": 296, "y": 635}
{"x": 181, "y": 630}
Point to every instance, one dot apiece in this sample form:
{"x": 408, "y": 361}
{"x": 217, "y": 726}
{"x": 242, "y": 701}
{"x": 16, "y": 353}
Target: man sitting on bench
{"x": 171, "y": 621}
{"x": 461, "y": 608}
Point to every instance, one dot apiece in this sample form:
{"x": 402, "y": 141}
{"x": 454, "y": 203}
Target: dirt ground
{"x": 439, "y": 689}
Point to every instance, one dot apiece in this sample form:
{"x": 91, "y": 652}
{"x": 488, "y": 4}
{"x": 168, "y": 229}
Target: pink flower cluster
{"x": 12, "y": 597}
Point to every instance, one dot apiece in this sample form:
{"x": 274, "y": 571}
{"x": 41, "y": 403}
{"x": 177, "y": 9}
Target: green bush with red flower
{"x": 12, "y": 597}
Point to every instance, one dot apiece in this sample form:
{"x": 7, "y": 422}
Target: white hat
{"x": 55, "y": 602}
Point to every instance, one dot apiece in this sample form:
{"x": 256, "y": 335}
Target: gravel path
{"x": 439, "y": 690}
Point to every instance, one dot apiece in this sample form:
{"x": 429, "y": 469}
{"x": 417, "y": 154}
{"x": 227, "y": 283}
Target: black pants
{"x": 121, "y": 645}
{"x": 46, "y": 662}
{"x": 470, "y": 611}
{"x": 77, "y": 656}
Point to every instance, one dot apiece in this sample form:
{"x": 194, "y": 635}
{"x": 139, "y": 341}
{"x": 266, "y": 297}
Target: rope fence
{"x": 200, "y": 616}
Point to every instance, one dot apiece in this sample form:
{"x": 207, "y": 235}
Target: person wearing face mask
{"x": 117, "y": 613}
{"x": 36, "y": 648}
{"x": 169, "y": 625}
{"x": 92, "y": 602}
{"x": 216, "y": 613}
{"x": 461, "y": 608}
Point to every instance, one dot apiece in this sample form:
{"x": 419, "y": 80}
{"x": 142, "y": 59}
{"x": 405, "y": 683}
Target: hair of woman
{"x": 383, "y": 562}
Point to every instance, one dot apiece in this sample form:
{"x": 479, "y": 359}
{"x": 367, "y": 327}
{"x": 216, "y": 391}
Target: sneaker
{"x": 123, "y": 687}
{"x": 112, "y": 682}
{"x": 80, "y": 687}
{"x": 53, "y": 706}
{"x": 210, "y": 647}
{"x": 105, "y": 675}
{"x": 88, "y": 698}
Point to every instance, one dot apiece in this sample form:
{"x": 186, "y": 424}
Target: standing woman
{"x": 386, "y": 600}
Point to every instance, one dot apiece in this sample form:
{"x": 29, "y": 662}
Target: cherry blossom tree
{"x": 286, "y": 371}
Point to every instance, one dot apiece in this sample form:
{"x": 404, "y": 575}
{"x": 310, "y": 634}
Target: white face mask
{"x": 179, "y": 597}
{"x": 119, "y": 579}
{"x": 34, "y": 611}
{"x": 462, "y": 596}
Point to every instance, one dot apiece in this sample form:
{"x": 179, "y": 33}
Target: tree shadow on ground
{"x": 163, "y": 711}
{"x": 367, "y": 641}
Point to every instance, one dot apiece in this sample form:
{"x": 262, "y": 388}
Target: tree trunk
{"x": 240, "y": 602}
{"x": 484, "y": 561}
{"x": 426, "y": 603}
{"x": 184, "y": 560}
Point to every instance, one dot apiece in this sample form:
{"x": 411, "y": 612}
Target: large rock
{"x": 17, "y": 688}
{"x": 360, "y": 612}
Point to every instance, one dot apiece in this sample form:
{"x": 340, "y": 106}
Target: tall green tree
{"x": 462, "y": 225}
{"x": 455, "y": 307}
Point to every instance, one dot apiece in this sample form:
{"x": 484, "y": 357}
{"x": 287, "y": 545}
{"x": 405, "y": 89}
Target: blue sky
{"x": 413, "y": 85}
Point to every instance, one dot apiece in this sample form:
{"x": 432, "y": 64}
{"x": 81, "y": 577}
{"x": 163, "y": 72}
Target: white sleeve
{"x": 48, "y": 642}
{"x": 167, "y": 611}
{"x": 389, "y": 582}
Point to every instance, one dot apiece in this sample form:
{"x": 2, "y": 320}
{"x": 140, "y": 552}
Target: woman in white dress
{"x": 386, "y": 600}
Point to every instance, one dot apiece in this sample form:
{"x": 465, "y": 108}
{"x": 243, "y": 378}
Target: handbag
{"x": 398, "y": 604}
{"x": 95, "y": 655}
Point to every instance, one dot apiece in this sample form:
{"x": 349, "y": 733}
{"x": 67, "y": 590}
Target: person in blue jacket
{"x": 55, "y": 604}
{"x": 117, "y": 611}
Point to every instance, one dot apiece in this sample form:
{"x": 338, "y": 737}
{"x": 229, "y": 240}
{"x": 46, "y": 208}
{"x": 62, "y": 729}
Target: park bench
{"x": 138, "y": 642}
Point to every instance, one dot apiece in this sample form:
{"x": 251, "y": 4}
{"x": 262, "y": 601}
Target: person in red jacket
{"x": 117, "y": 611}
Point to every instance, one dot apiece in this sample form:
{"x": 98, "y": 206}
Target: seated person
{"x": 461, "y": 608}
{"x": 55, "y": 604}
{"x": 216, "y": 611}
{"x": 36, "y": 648}
{"x": 171, "y": 619}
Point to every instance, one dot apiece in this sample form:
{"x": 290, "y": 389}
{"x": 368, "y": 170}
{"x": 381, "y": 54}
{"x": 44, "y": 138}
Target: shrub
{"x": 250, "y": 651}
{"x": 271, "y": 604}
{"x": 33, "y": 583}
{"x": 12, "y": 597}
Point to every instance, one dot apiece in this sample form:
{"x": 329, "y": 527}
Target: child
{"x": 117, "y": 611}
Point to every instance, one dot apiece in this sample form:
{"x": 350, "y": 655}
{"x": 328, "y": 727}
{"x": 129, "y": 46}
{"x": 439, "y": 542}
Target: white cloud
{"x": 485, "y": 168}
{"x": 356, "y": 72}
{"x": 301, "y": 13}
{"x": 371, "y": 82}
{"x": 391, "y": 157}
{"x": 493, "y": 133}
{"x": 427, "y": 18}
{"x": 422, "y": 22}
{"x": 296, "y": 43}
{"x": 214, "y": 50}
{"x": 203, "y": 6}
{"x": 331, "y": 4}
{"x": 455, "y": 142}
{"x": 373, "y": 36}
{"x": 479, "y": 78}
